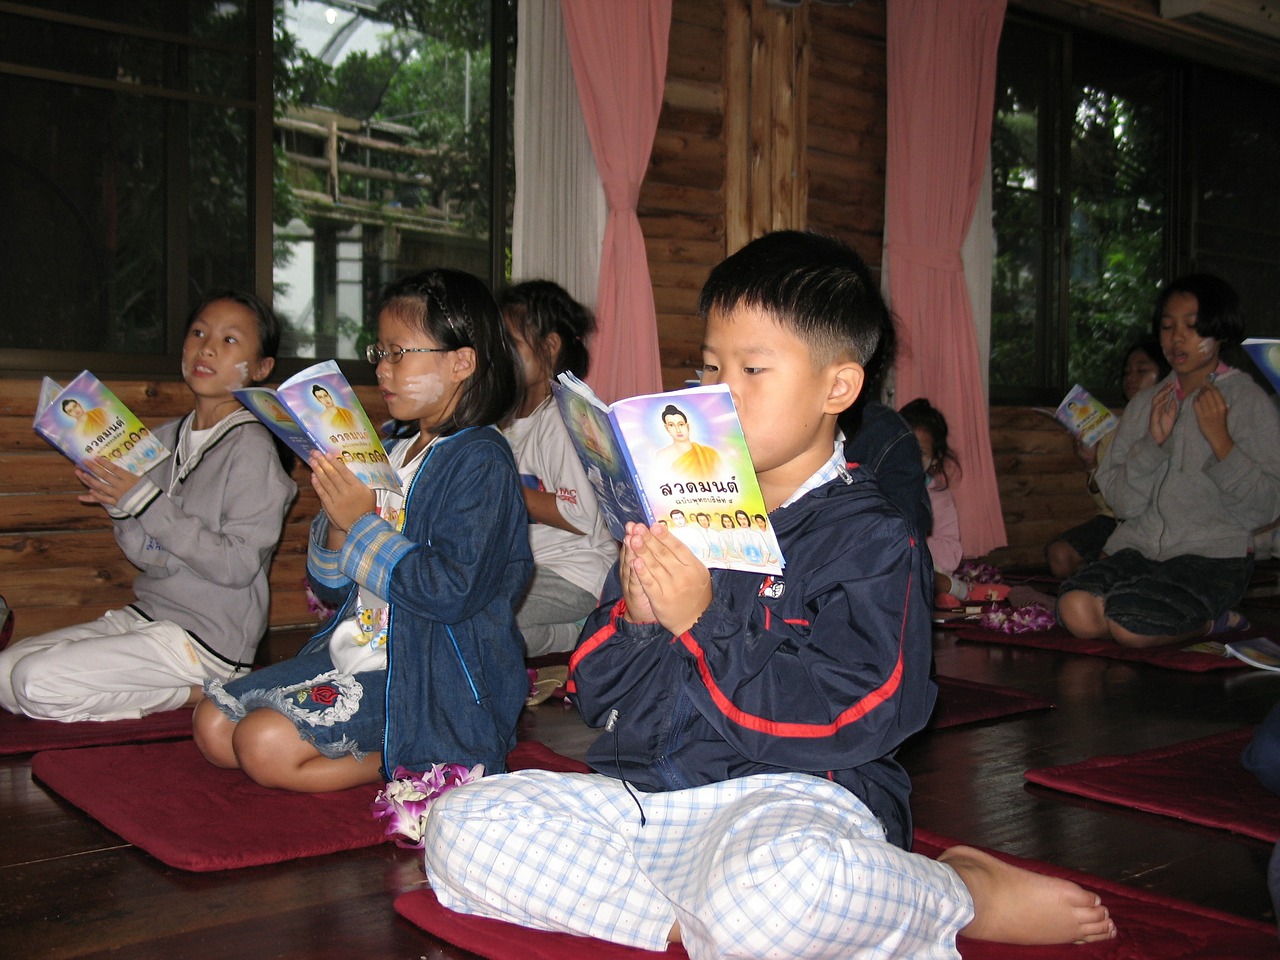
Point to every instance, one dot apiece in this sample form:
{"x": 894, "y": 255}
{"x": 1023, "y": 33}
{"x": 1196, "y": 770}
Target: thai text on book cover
{"x": 679, "y": 458}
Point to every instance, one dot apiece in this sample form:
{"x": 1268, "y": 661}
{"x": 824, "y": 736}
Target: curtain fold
{"x": 941, "y": 90}
{"x": 619, "y": 54}
{"x": 560, "y": 210}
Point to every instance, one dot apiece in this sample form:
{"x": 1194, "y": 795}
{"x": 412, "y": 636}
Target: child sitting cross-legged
{"x": 748, "y": 799}
{"x": 423, "y": 658}
{"x": 1194, "y": 469}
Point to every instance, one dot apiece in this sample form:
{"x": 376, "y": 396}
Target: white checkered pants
{"x": 769, "y": 866}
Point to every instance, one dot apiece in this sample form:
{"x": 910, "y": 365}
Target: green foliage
{"x": 431, "y": 76}
{"x": 1114, "y": 236}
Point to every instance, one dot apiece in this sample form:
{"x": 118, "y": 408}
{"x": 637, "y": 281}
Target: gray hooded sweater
{"x": 202, "y": 532}
{"x": 1177, "y": 498}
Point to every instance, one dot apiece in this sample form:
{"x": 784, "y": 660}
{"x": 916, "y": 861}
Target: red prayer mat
{"x": 1200, "y": 781}
{"x": 166, "y": 799}
{"x": 1150, "y": 927}
{"x": 1058, "y": 638}
{"x": 968, "y": 701}
{"x": 20, "y": 734}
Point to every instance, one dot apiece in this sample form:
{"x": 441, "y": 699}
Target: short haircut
{"x": 671, "y": 410}
{"x": 267, "y": 321}
{"x": 813, "y": 285}
{"x": 456, "y": 310}
{"x": 1217, "y": 307}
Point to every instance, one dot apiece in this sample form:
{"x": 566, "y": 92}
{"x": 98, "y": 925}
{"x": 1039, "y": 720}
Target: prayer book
{"x": 316, "y": 409}
{"x": 1257, "y": 652}
{"x": 85, "y": 420}
{"x": 1265, "y": 353}
{"x": 1085, "y": 416}
{"x": 677, "y": 458}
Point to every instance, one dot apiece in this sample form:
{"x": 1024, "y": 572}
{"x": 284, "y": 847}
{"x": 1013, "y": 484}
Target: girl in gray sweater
{"x": 201, "y": 528}
{"x": 1193, "y": 471}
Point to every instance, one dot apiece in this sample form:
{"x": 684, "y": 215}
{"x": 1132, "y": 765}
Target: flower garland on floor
{"x": 1033, "y": 618}
{"x": 404, "y": 801}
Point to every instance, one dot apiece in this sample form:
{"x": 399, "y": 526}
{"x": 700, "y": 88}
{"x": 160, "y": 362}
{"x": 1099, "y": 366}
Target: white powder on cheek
{"x": 1207, "y": 345}
{"x": 242, "y": 378}
{"x": 427, "y": 388}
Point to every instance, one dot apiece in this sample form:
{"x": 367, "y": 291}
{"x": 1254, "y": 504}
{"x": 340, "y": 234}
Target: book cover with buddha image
{"x": 1085, "y": 416}
{"x": 1265, "y": 353}
{"x": 86, "y": 420}
{"x": 678, "y": 458}
{"x": 316, "y": 409}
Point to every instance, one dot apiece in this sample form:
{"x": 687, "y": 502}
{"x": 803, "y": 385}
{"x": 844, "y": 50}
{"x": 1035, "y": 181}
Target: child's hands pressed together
{"x": 638, "y": 608}
{"x": 1211, "y": 414}
{"x": 675, "y": 583}
{"x": 108, "y": 484}
{"x": 1164, "y": 413}
{"x": 344, "y": 498}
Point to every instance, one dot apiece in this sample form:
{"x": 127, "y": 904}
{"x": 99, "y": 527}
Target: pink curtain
{"x": 619, "y": 53}
{"x": 941, "y": 76}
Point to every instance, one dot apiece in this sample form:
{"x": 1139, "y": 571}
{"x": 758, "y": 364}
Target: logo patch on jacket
{"x": 772, "y": 588}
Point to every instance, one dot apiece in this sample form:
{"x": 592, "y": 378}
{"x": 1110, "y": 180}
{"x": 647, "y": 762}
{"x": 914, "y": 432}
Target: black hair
{"x": 1152, "y": 349}
{"x": 268, "y": 322}
{"x": 923, "y": 415}
{"x": 671, "y": 410}
{"x": 1217, "y": 307}
{"x": 456, "y": 310}
{"x": 814, "y": 285}
{"x": 540, "y": 308}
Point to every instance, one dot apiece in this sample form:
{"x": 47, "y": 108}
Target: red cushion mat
{"x": 1201, "y": 781}
{"x": 23, "y": 735}
{"x": 1151, "y": 927}
{"x": 968, "y": 701}
{"x": 1059, "y": 639}
{"x": 166, "y": 799}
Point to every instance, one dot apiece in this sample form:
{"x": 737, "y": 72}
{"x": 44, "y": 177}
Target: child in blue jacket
{"x": 423, "y": 663}
{"x": 748, "y": 801}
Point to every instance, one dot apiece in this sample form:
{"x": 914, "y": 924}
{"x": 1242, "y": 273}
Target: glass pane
{"x": 1237, "y": 225}
{"x": 1119, "y": 206}
{"x": 200, "y": 18}
{"x": 1022, "y": 179}
{"x": 160, "y": 60}
{"x": 83, "y": 238}
{"x": 384, "y": 137}
{"x": 221, "y": 235}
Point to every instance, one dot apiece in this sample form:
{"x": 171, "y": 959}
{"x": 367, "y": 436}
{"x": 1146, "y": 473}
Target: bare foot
{"x": 1012, "y": 905}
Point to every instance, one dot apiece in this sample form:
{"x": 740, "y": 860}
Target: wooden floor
{"x": 69, "y": 888}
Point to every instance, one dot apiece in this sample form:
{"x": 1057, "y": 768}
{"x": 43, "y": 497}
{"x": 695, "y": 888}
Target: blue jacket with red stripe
{"x": 823, "y": 671}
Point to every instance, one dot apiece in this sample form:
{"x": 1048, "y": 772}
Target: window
{"x": 124, "y": 172}
{"x": 386, "y": 132}
{"x": 1116, "y": 168}
{"x": 147, "y": 159}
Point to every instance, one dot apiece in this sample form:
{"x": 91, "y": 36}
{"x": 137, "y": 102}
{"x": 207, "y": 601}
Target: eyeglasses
{"x": 394, "y": 352}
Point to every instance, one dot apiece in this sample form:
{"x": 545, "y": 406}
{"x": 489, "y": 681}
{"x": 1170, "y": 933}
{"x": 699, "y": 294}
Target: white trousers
{"x": 775, "y": 865}
{"x": 120, "y": 666}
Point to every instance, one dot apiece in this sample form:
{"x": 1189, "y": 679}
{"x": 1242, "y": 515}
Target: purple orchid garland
{"x": 1033, "y": 618}
{"x": 404, "y": 801}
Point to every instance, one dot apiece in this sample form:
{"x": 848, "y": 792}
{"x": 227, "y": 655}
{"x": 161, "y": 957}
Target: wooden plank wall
{"x": 59, "y": 563}
{"x": 772, "y": 118}
{"x": 1042, "y": 483}
{"x": 681, "y": 205}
